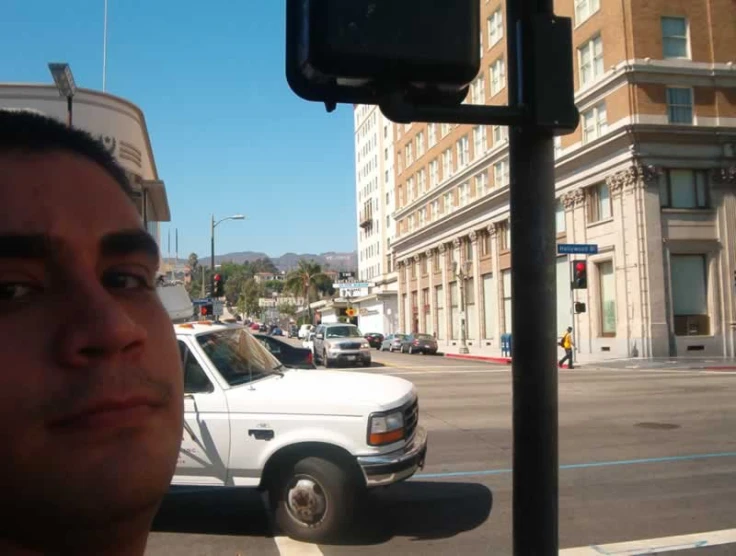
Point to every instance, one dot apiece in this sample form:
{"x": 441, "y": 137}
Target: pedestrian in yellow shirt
{"x": 567, "y": 344}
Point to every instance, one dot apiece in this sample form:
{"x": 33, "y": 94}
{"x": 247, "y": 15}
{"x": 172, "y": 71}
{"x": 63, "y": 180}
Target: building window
{"x": 684, "y": 189}
{"x": 436, "y": 261}
{"x": 485, "y": 244}
{"x": 495, "y": 27}
{"x": 584, "y": 9}
{"x": 434, "y": 173}
{"x": 559, "y": 218}
{"x": 463, "y": 151}
{"x": 411, "y": 190}
{"x": 498, "y": 76}
{"x": 590, "y": 61}
{"x": 599, "y": 203}
{"x": 680, "y": 105}
{"x": 422, "y": 216}
{"x": 432, "y": 134}
{"x": 468, "y": 245}
{"x": 558, "y": 146}
{"x": 690, "y": 295}
{"x": 388, "y": 221}
{"x": 444, "y": 129}
{"x": 501, "y": 173}
{"x": 479, "y": 140}
{"x": 419, "y": 141}
{"x": 413, "y": 270}
{"x": 506, "y": 284}
{"x": 411, "y": 222}
{"x": 500, "y": 134}
{"x": 435, "y": 209}
{"x": 439, "y": 302}
{"x": 464, "y": 190}
{"x": 481, "y": 184}
{"x": 478, "y": 90}
{"x": 489, "y": 306}
{"x": 504, "y": 236}
{"x": 421, "y": 181}
{"x": 408, "y": 154}
{"x": 446, "y": 163}
{"x": 674, "y": 38}
{"x": 595, "y": 122}
{"x": 607, "y": 289}
{"x": 449, "y": 204}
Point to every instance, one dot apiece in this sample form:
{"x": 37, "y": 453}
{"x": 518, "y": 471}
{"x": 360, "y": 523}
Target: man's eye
{"x": 126, "y": 281}
{"x": 12, "y": 291}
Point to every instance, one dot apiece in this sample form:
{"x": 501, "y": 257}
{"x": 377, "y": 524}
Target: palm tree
{"x": 304, "y": 281}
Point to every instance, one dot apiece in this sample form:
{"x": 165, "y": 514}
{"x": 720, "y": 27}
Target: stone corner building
{"x": 649, "y": 176}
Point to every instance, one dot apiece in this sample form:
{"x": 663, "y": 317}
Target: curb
{"x": 497, "y": 360}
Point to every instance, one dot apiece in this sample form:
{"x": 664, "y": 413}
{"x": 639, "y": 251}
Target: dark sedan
{"x": 291, "y": 356}
{"x": 419, "y": 343}
{"x": 374, "y": 339}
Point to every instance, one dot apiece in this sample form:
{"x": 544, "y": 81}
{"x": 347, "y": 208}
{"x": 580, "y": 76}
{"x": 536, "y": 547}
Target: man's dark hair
{"x": 33, "y": 133}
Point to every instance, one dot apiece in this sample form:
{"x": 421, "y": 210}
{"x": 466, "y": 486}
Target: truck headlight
{"x": 365, "y": 345}
{"x": 385, "y": 428}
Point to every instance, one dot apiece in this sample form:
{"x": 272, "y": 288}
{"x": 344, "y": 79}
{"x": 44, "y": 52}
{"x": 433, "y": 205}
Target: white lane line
{"x": 290, "y": 547}
{"x": 654, "y": 546}
{"x": 476, "y": 371}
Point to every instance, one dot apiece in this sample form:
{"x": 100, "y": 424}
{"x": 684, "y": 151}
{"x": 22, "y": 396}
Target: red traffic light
{"x": 218, "y": 277}
{"x": 203, "y": 311}
{"x": 579, "y": 267}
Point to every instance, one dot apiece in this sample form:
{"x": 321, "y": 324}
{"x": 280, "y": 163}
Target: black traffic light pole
{"x": 534, "y": 348}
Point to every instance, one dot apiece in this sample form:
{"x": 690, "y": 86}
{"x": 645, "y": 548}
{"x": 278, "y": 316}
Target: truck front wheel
{"x": 314, "y": 500}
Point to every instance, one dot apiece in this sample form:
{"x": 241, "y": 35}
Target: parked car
{"x": 392, "y": 342}
{"x": 277, "y": 332}
{"x": 315, "y": 441}
{"x": 419, "y": 343}
{"x": 291, "y": 356}
{"x": 375, "y": 339}
{"x": 293, "y": 331}
{"x": 340, "y": 343}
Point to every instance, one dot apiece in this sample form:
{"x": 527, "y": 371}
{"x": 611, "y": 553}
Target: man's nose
{"x": 99, "y": 325}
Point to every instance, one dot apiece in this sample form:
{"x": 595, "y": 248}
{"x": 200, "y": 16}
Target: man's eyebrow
{"x": 127, "y": 242}
{"x": 25, "y": 246}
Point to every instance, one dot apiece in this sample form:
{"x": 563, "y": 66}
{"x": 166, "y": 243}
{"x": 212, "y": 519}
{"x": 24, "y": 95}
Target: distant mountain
{"x": 287, "y": 261}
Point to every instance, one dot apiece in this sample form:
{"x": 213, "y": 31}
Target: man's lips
{"x": 109, "y": 413}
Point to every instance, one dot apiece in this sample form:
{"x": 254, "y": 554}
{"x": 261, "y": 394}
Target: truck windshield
{"x": 238, "y": 356}
{"x": 343, "y": 332}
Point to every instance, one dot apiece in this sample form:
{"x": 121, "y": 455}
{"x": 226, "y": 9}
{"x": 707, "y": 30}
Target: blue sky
{"x": 228, "y": 134}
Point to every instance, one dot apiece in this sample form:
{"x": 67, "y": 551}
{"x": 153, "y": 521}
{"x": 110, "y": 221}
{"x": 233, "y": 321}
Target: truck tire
{"x": 325, "y": 361}
{"x": 314, "y": 500}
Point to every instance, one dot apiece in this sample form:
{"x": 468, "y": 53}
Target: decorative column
{"x": 477, "y": 288}
{"x": 431, "y": 316}
{"x": 442, "y": 254}
{"x": 494, "y": 229}
{"x": 419, "y": 315}
{"x": 402, "y": 289}
{"x": 408, "y": 317}
{"x": 457, "y": 257}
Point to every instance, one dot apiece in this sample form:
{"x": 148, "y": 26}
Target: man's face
{"x": 91, "y": 383}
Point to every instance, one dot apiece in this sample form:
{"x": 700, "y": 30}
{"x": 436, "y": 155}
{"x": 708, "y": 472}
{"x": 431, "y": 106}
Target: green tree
{"x": 250, "y": 294}
{"x": 193, "y": 262}
{"x": 274, "y": 286}
{"x": 304, "y": 281}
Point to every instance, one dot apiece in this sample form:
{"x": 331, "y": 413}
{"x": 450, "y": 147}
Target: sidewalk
{"x": 678, "y": 363}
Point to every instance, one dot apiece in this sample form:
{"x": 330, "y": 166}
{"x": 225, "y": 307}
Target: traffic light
{"x": 218, "y": 286}
{"x": 579, "y": 307}
{"x": 206, "y": 310}
{"x": 579, "y": 275}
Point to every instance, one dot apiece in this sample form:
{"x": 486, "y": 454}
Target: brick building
{"x": 649, "y": 176}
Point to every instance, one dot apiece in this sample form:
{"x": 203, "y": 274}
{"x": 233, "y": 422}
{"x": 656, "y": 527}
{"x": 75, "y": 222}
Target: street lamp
{"x": 62, "y": 74}
{"x": 212, "y": 247}
{"x": 462, "y": 273}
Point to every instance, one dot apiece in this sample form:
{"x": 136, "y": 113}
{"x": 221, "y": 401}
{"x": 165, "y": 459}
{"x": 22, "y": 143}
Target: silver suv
{"x": 341, "y": 343}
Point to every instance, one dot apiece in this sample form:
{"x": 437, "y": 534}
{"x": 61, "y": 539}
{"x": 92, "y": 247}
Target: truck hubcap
{"x": 306, "y": 500}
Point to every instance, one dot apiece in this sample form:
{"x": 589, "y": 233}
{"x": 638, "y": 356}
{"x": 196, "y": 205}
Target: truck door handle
{"x": 261, "y": 434}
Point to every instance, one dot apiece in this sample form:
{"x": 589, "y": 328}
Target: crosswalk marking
{"x": 655, "y": 546}
{"x": 290, "y": 547}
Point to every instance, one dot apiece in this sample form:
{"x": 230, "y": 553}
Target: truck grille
{"x": 350, "y": 345}
{"x": 411, "y": 418}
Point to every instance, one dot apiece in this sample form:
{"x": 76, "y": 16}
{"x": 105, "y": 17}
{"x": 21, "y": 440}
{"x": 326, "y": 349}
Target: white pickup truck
{"x": 314, "y": 440}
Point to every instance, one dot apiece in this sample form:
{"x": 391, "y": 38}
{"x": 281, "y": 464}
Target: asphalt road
{"x": 645, "y": 455}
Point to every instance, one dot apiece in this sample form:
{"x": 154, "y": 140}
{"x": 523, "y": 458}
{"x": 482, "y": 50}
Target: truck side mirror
{"x": 340, "y": 51}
